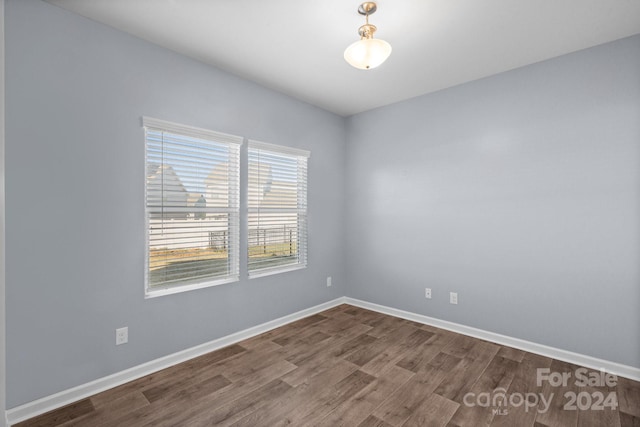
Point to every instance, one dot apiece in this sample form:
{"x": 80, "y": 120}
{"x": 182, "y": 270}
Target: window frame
{"x": 233, "y": 243}
{"x": 302, "y": 243}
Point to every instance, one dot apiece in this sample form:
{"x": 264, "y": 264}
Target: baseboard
{"x": 48, "y": 403}
{"x": 567, "y": 356}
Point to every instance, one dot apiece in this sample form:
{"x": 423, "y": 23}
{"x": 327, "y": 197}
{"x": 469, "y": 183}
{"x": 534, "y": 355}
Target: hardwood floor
{"x": 352, "y": 367}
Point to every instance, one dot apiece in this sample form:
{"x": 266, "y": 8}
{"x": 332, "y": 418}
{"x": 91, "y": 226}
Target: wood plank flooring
{"x": 352, "y": 367}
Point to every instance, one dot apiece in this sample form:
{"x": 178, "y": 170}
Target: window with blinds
{"x": 277, "y": 214}
{"x": 192, "y": 207}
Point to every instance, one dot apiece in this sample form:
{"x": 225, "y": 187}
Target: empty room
{"x": 339, "y": 213}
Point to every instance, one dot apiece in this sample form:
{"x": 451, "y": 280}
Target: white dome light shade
{"x": 366, "y": 54}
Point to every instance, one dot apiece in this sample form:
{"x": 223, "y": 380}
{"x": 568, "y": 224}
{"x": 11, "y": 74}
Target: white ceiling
{"x": 296, "y": 46}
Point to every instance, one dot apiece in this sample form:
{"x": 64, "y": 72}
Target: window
{"x": 277, "y": 202}
{"x": 192, "y": 207}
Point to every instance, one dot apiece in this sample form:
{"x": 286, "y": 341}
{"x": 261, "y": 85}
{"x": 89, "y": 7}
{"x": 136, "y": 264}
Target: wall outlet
{"x": 122, "y": 335}
{"x": 453, "y": 297}
{"x": 328, "y": 281}
{"x": 427, "y": 293}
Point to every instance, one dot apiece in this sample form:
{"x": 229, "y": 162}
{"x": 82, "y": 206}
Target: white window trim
{"x": 234, "y": 256}
{"x": 169, "y": 290}
{"x": 276, "y": 270}
{"x": 195, "y": 132}
{"x": 259, "y": 145}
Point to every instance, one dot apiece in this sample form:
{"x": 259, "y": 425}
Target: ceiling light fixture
{"x": 367, "y": 53}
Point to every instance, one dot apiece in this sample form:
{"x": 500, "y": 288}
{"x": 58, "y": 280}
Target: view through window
{"x": 192, "y": 205}
{"x": 277, "y": 202}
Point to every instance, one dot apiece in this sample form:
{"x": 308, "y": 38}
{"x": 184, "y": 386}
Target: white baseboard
{"x": 48, "y": 403}
{"x": 57, "y": 400}
{"x": 567, "y": 356}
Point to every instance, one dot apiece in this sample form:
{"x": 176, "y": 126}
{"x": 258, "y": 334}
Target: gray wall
{"x": 76, "y": 91}
{"x": 3, "y": 377}
{"x": 519, "y": 191}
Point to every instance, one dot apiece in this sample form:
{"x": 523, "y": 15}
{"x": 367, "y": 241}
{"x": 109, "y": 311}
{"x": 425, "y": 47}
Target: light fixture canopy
{"x": 367, "y": 53}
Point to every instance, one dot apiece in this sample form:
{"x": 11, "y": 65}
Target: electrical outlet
{"x": 453, "y": 297}
{"x": 122, "y": 335}
{"x": 427, "y": 293}
{"x": 328, "y": 281}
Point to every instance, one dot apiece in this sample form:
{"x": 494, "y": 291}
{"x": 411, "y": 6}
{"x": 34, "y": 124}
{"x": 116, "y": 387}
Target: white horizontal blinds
{"x": 277, "y": 202}
{"x": 192, "y": 200}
